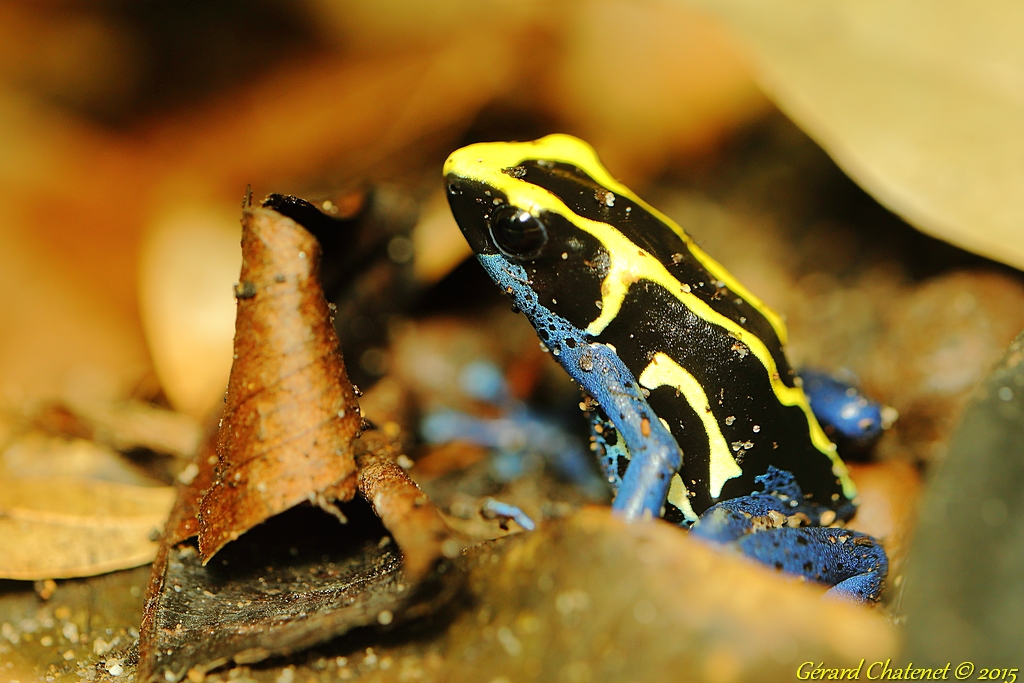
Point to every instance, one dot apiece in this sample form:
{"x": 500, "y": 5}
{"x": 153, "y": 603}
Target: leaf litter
{"x": 292, "y": 433}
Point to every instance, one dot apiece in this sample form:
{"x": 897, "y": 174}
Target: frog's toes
{"x": 504, "y": 512}
{"x": 780, "y": 484}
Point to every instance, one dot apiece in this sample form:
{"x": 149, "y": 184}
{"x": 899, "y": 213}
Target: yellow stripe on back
{"x": 680, "y": 497}
{"x": 663, "y": 371}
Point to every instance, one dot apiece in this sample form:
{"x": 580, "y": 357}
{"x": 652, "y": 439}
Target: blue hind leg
{"x": 854, "y": 564}
{"x": 777, "y": 527}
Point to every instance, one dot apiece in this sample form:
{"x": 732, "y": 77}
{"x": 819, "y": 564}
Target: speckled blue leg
{"x": 769, "y": 527}
{"x": 866, "y": 587}
{"x": 655, "y": 455}
{"x": 609, "y": 448}
{"x": 854, "y": 564}
{"x": 781, "y": 499}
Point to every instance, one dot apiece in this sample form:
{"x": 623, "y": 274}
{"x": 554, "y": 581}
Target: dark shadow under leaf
{"x": 294, "y": 581}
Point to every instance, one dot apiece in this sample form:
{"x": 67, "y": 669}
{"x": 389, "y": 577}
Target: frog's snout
{"x": 454, "y": 185}
{"x": 465, "y": 198}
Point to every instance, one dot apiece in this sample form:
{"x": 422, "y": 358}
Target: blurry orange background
{"x": 129, "y": 134}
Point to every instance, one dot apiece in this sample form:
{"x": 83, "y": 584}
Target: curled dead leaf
{"x": 292, "y": 432}
{"x": 291, "y": 414}
{"x": 298, "y": 579}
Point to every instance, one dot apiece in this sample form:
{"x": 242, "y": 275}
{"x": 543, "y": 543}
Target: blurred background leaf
{"x": 920, "y": 101}
{"x": 124, "y": 127}
{"x": 55, "y": 527}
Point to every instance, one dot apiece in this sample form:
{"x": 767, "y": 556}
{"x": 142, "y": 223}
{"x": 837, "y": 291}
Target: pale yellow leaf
{"x": 190, "y": 258}
{"x": 36, "y": 455}
{"x": 438, "y": 242}
{"x": 133, "y": 424}
{"x": 920, "y": 101}
{"x": 60, "y": 528}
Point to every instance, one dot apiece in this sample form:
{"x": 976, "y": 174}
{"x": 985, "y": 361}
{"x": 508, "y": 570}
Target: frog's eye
{"x": 517, "y": 233}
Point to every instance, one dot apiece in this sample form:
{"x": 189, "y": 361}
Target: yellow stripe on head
{"x": 485, "y": 162}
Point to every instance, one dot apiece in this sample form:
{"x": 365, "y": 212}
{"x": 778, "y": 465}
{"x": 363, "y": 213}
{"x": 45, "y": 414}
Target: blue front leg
{"x": 654, "y": 454}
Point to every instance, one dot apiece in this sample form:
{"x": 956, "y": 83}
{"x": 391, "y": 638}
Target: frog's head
{"x": 528, "y": 209}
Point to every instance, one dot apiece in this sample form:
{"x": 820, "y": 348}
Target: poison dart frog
{"x": 697, "y": 415}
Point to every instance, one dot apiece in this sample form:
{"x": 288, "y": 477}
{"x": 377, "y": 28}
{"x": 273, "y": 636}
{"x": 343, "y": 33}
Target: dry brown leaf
{"x": 920, "y": 101}
{"x": 291, "y": 413}
{"x": 292, "y": 431}
{"x": 299, "y": 578}
{"x": 56, "y": 527}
